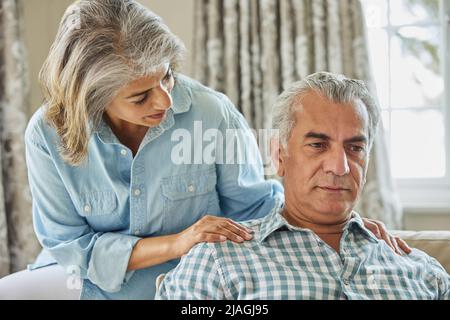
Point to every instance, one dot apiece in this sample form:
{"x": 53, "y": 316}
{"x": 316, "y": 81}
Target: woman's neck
{"x": 129, "y": 134}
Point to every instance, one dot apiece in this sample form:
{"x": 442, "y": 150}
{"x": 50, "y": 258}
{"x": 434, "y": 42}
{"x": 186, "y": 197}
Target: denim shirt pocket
{"x": 187, "y": 197}
{"x": 97, "y": 203}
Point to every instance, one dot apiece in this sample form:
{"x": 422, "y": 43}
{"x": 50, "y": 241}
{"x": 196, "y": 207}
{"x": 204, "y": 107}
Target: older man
{"x": 315, "y": 246}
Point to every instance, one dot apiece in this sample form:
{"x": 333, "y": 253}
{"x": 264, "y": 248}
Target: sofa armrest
{"x": 434, "y": 243}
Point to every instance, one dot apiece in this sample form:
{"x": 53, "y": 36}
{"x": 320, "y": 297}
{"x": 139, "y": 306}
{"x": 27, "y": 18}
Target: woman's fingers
{"x": 239, "y": 230}
{"x": 220, "y": 229}
{"x": 379, "y": 230}
{"x": 213, "y": 237}
{"x": 404, "y": 246}
{"x": 211, "y": 225}
{"x": 373, "y": 227}
{"x": 387, "y": 238}
{"x": 394, "y": 241}
{"x": 226, "y": 227}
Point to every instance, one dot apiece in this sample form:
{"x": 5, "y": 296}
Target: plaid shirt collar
{"x": 275, "y": 221}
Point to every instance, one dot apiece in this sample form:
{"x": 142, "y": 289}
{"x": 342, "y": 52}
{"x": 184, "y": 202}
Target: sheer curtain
{"x": 252, "y": 49}
{"x": 18, "y": 244}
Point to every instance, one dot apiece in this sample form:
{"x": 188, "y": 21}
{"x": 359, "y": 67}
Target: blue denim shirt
{"x": 88, "y": 218}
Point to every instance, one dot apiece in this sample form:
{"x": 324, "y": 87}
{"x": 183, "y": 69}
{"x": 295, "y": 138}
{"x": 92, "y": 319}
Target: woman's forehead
{"x": 147, "y": 81}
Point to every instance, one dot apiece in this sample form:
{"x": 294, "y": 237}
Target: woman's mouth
{"x": 157, "y": 116}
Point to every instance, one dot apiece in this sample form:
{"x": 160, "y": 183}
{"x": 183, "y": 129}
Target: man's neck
{"x": 329, "y": 233}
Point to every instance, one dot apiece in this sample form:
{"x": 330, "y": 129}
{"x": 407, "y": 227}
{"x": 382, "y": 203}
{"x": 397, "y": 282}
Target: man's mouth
{"x": 333, "y": 189}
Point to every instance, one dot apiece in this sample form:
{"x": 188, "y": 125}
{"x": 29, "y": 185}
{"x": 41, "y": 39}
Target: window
{"x": 408, "y": 51}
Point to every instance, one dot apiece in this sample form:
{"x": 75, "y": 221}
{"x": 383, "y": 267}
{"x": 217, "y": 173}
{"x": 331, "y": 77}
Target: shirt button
{"x": 191, "y": 188}
{"x": 137, "y": 192}
{"x": 87, "y": 208}
{"x": 123, "y": 152}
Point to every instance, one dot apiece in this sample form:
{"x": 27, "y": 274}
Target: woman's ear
{"x": 276, "y": 153}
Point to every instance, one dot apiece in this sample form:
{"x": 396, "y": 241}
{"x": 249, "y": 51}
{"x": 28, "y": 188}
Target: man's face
{"x": 326, "y": 162}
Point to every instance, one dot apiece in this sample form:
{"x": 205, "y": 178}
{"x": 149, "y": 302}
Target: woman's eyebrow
{"x": 137, "y": 94}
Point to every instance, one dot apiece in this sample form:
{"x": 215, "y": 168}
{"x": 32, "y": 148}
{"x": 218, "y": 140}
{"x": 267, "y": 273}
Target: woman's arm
{"x": 101, "y": 257}
{"x": 153, "y": 251}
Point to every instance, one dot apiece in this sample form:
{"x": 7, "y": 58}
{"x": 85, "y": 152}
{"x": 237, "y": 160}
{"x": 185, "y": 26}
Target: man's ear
{"x": 277, "y": 155}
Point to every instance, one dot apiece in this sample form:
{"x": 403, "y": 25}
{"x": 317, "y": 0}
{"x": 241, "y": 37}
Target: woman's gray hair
{"x": 335, "y": 87}
{"x": 101, "y": 46}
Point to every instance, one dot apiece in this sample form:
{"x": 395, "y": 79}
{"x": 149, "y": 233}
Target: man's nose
{"x": 337, "y": 163}
{"x": 162, "y": 98}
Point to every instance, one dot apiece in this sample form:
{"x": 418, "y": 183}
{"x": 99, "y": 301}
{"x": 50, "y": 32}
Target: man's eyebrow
{"x": 315, "y": 135}
{"x": 323, "y": 136}
{"x": 361, "y": 138}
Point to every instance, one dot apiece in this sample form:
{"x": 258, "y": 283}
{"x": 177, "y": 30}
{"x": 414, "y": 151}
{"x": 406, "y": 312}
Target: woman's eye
{"x": 141, "y": 102}
{"x": 168, "y": 76}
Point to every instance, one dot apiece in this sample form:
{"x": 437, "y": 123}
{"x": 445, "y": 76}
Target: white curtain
{"x": 252, "y": 49}
{"x": 18, "y": 244}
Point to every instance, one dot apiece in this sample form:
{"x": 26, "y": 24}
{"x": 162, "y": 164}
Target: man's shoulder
{"x": 218, "y": 250}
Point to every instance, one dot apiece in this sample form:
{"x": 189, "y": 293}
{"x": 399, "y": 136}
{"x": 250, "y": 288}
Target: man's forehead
{"x": 317, "y": 113}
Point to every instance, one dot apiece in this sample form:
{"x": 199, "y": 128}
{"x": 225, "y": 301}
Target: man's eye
{"x": 318, "y": 145}
{"x": 356, "y": 149}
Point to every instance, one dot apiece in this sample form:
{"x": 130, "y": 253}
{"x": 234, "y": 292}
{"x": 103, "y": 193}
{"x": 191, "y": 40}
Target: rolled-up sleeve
{"x": 244, "y": 192}
{"x": 100, "y": 257}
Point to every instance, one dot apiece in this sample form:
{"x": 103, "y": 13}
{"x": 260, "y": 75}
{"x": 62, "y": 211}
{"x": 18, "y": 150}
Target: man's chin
{"x": 336, "y": 210}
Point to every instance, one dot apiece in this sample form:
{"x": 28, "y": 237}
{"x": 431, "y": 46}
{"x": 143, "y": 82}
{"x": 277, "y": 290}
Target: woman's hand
{"x": 211, "y": 229}
{"x": 379, "y": 230}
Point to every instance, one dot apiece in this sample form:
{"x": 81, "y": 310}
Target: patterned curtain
{"x": 252, "y": 49}
{"x": 18, "y": 244}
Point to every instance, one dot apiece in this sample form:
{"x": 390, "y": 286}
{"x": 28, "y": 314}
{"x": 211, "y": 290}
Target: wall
{"x": 42, "y": 18}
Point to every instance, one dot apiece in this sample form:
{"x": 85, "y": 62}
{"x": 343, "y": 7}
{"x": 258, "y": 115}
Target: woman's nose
{"x": 162, "y": 98}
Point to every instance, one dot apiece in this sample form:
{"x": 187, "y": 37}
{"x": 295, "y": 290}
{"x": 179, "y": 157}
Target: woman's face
{"x": 144, "y": 101}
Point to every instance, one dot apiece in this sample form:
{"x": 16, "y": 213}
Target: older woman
{"x": 110, "y": 203}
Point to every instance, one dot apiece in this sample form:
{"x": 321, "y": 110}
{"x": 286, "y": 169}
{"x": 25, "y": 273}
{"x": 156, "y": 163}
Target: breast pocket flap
{"x": 188, "y": 185}
{"x": 95, "y": 203}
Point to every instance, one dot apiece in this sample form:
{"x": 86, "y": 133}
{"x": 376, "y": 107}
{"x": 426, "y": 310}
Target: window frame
{"x": 433, "y": 194}
{"x": 429, "y": 195}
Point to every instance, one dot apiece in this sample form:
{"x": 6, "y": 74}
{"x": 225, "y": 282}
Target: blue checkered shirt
{"x": 286, "y": 262}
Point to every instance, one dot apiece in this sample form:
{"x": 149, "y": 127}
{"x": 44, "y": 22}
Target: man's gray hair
{"x": 335, "y": 87}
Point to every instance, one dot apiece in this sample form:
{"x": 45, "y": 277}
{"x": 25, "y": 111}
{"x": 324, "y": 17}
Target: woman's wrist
{"x": 152, "y": 251}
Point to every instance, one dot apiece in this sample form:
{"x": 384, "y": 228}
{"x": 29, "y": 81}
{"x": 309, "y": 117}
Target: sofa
{"x": 434, "y": 243}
